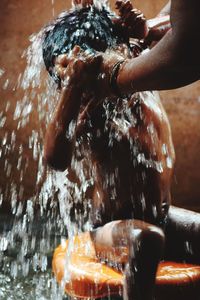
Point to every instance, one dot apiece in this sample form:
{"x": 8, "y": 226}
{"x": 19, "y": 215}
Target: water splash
{"x": 97, "y": 3}
{"x": 37, "y": 224}
{"x": 53, "y": 9}
{"x": 28, "y": 237}
{"x": 59, "y": 206}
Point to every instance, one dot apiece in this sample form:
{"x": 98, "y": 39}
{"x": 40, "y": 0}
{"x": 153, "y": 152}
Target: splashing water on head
{"x": 27, "y": 241}
{"x": 96, "y": 3}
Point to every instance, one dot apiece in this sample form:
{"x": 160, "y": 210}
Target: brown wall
{"x": 19, "y": 19}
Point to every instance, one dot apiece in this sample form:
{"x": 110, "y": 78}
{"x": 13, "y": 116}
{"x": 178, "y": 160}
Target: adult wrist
{"x": 113, "y": 78}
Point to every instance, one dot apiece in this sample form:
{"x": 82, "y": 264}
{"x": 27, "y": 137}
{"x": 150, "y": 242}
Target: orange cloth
{"x": 86, "y": 276}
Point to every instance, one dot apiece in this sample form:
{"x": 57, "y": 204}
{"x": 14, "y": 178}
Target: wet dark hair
{"x": 90, "y": 28}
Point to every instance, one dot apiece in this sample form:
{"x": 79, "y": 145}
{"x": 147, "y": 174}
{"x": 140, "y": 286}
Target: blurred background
{"x": 19, "y": 20}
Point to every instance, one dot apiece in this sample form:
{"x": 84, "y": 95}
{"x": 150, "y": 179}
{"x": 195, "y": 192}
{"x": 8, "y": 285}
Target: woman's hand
{"x": 158, "y": 27}
{"x": 78, "y": 68}
{"x": 90, "y": 72}
{"x": 131, "y": 21}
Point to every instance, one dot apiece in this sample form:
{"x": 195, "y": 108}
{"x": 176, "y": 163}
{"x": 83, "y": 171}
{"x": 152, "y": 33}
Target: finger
{"x": 140, "y": 16}
{"x": 87, "y": 65}
{"x": 59, "y": 71}
{"x": 62, "y": 59}
{"x": 118, "y": 4}
{"x": 135, "y": 11}
{"x": 155, "y": 34}
{"x": 132, "y": 18}
{"x": 76, "y": 50}
{"x": 125, "y": 8}
{"x": 78, "y": 67}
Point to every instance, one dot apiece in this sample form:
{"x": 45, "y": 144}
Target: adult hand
{"x": 90, "y": 72}
{"x": 131, "y": 21}
{"x": 78, "y": 67}
{"x": 158, "y": 27}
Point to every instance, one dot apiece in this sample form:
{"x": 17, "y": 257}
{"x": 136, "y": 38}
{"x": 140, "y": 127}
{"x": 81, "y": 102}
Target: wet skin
{"x": 129, "y": 141}
{"x": 128, "y": 182}
{"x": 137, "y": 191}
{"x": 174, "y": 61}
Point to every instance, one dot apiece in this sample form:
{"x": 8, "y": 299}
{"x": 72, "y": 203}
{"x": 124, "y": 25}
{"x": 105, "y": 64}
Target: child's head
{"x": 90, "y": 28}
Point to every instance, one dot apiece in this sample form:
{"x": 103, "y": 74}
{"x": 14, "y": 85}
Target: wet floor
{"x": 36, "y": 286}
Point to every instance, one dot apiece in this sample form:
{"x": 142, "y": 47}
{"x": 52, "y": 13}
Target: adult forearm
{"x": 166, "y": 66}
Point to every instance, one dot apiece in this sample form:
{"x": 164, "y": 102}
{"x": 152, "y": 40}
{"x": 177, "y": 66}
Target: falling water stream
{"x": 28, "y": 238}
{"x": 39, "y": 224}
